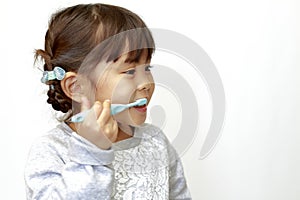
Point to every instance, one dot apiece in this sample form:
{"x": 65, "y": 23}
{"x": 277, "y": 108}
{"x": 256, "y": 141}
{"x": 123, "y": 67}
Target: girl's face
{"x": 124, "y": 83}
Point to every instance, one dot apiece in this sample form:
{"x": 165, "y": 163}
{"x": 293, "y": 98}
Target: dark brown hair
{"x": 75, "y": 31}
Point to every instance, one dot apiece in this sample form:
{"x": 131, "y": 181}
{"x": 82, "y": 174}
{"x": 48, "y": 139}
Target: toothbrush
{"x": 115, "y": 109}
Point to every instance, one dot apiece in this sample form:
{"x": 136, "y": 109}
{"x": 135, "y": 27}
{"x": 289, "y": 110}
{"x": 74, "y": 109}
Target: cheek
{"x": 151, "y": 91}
{"x": 152, "y": 87}
{"x": 122, "y": 91}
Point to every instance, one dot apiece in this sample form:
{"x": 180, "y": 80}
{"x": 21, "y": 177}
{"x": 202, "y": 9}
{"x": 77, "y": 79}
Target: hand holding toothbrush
{"x": 98, "y": 126}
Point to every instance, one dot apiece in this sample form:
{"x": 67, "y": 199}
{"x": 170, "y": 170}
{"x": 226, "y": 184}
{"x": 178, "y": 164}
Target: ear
{"x": 71, "y": 87}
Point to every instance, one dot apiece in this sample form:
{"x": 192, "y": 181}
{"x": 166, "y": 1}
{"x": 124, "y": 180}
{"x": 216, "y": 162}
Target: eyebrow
{"x": 125, "y": 66}
{"x": 131, "y": 66}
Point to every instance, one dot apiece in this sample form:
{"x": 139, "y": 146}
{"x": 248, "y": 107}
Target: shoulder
{"x": 48, "y": 153}
{"x": 59, "y": 134}
{"x": 54, "y": 142}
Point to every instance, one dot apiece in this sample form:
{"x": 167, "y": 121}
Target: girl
{"x": 97, "y": 55}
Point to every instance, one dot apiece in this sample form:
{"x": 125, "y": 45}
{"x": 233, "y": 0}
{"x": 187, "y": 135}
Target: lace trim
{"x": 142, "y": 172}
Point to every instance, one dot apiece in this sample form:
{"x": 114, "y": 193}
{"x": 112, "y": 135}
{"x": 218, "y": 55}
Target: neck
{"x": 124, "y": 131}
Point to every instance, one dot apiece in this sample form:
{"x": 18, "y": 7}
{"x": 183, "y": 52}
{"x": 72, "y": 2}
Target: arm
{"x": 178, "y": 187}
{"x": 75, "y": 171}
{"x": 82, "y": 169}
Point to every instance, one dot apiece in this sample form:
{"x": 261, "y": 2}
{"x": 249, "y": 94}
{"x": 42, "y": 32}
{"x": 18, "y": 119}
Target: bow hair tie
{"x": 57, "y": 73}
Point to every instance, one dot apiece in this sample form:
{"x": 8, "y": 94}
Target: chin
{"x": 131, "y": 118}
{"x": 137, "y": 118}
{"x": 138, "y": 123}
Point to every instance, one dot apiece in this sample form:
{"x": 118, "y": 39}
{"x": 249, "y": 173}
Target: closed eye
{"x": 129, "y": 72}
{"x": 133, "y": 70}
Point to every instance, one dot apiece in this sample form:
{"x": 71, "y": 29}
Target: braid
{"x": 57, "y": 98}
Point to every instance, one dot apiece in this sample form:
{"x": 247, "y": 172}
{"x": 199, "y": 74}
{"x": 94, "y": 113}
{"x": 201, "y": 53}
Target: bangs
{"x": 135, "y": 56}
{"x": 134, "y": 43}
{"x": 118, "y": 32}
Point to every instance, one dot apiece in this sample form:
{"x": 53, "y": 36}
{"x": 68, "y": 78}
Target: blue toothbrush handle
{"x": 117, "y": 108}
{"x": 114, "y": 109}
{"x": 79, "y": 117}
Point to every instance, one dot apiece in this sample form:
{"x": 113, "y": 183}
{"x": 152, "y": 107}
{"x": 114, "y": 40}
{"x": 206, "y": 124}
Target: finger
{"x": 110, "y": 128}
{"x": 113, "y": 130}
{"x": 105, "y": 114}
{"x": 93, "y": 113}
{"x": 115, "y": 127}
{"x": 97, "y": 108}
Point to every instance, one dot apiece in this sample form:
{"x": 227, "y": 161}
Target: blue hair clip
{"x": 57, "y": 73}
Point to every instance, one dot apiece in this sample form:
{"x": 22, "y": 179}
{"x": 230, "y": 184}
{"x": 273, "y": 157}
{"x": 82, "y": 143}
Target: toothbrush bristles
{"x": 141, "y": 102}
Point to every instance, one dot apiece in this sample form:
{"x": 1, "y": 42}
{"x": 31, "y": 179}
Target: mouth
{"x": 141, "y": 108}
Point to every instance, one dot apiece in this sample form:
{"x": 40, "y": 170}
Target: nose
{"x": 144, "y": 86}
{"x": 144, "y": 79}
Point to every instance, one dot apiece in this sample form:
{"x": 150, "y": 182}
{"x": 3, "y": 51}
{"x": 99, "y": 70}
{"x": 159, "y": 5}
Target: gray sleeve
{"x": 178, "y": 188}
{"x": 75, "y": 171}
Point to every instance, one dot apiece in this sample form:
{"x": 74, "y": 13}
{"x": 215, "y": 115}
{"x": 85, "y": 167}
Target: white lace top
{"x": 63, "y": 165}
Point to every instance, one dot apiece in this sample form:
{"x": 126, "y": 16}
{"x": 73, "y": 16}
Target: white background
{"x": 255, "y": 47}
